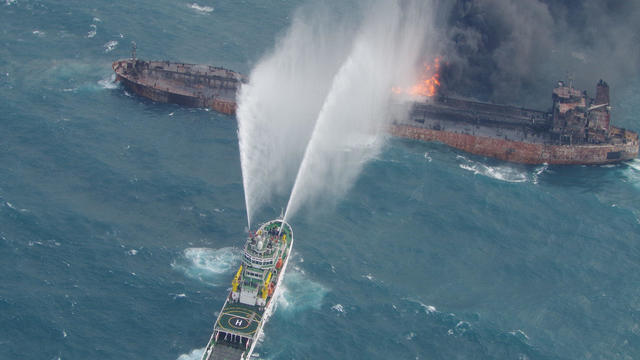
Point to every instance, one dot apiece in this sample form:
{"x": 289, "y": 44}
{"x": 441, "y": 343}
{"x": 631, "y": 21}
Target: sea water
{"x": 120, "y": 218}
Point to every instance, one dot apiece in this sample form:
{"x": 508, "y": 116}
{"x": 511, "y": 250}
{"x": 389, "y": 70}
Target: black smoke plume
{"x": 513, "y": 51}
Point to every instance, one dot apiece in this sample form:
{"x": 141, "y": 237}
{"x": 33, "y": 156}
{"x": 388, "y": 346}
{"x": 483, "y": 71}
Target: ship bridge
{"x": 262, "y": 257}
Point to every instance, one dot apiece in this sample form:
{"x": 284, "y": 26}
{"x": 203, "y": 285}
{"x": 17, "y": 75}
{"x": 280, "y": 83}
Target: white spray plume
{"x": 356, "y": 112}
{"x": 278, "y": 107}
{"x": 316, "y": 107}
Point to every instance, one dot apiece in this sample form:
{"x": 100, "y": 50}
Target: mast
{"x": 133, "y": 50}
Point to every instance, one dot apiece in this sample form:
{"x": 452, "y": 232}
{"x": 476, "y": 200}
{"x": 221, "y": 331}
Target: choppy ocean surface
{"x": 120, "y": 218}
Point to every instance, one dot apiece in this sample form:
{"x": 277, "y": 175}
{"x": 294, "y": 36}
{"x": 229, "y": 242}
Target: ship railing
{"x": 261, "y": 261}
{"x": 233, "y": 340}
{"x": 474, "y": 116}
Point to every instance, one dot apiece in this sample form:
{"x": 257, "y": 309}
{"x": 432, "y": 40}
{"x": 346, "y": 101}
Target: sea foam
{"x": 299, "y": 293}
{"x": 210, "y": 266}
{"x": 109, "y": 46}
{"x": 512, "y": 173}
{"x": 108, "y": 82}
{"x": 195, "y": 354}
{"x": 201, "y": 8}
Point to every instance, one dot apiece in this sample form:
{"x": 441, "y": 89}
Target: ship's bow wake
{"x": 211, "y": 266}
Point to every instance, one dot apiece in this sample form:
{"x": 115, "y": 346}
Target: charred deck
{"x": 183, "y": 84}
{"x": 577, "y": 130}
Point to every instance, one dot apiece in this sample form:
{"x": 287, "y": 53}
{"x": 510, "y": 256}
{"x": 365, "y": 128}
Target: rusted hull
{"x": 522, "y": 152}
{"x": 164, "y": 96}
{"x": 183, "y": 84}
{"x": 503, "y": 132}
{"x": 225, "y": 107}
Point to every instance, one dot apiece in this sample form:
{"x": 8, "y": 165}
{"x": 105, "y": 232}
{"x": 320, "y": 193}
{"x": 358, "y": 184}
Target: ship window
{"x": 612, "y": 155}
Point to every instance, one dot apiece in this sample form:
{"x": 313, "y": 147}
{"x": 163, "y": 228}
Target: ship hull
{"x": 504, "y": 132}
{"x": 522, "y": 152}
{"x": 165, "y": 82}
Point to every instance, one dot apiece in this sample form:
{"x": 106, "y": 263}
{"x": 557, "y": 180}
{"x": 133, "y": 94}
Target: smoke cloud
{"x": 513, "y": 51}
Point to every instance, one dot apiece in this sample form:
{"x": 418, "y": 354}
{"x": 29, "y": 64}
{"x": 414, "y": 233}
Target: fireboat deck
{"x": 254, "y": 287}
{"x": 240, "y": 318}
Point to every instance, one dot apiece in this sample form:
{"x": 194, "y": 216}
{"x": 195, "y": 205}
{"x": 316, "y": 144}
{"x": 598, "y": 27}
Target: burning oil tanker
{"x": 577, "y": 130}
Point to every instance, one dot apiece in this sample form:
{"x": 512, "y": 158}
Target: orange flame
{"x": 426, "y": 87}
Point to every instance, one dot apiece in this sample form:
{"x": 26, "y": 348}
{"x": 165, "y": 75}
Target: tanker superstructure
{"x": 577, "y": 130}
{"x": 254, "y": 289}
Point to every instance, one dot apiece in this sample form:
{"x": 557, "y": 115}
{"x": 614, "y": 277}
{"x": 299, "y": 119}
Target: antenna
{"x": 133, "y": 50}
{"x": 281, "y": 222}
{"x": 570, "y": 78}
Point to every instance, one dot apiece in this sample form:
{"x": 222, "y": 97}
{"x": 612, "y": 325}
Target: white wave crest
{"x": 201, "y": 8}
{"x": 208, "y": 265}
{"x": 633, "y": 171}
{"x": 538, "y": 171}
{"x": 497, "y": 172}
{"x": 519, "y": 334}
{"x": 93, "y": 31}
{"x": 429, "y": 309}
{"x": 462, "y": 326}
{"x": 509, "y": 173}
{"x": 299, "y": 293}
{"x": 108, "y": 47}
{"x": 108, "y": 82}
{"x": 195, "y": 354}
{"x": 12, "y": 207}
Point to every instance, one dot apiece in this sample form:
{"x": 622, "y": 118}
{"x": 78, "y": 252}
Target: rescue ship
{"x": 254, "y": 289}
{"x": 188, "y": 85}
